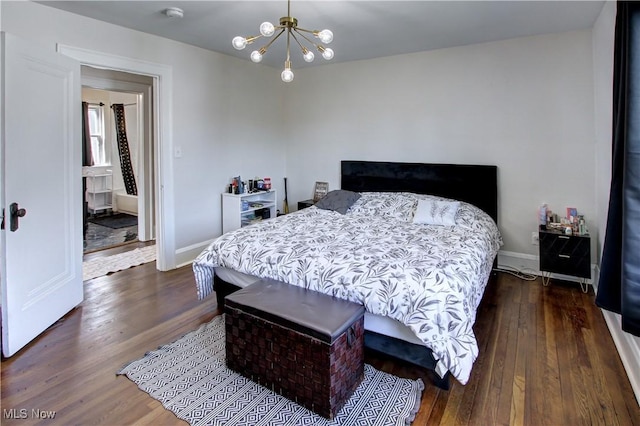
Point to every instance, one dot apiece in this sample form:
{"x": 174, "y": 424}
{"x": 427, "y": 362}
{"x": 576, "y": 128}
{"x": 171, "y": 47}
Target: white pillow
{"x": 434, "y": 212}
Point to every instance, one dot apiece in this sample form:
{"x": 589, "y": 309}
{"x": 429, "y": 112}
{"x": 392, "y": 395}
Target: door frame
{"x": 145, "y": 171}
{"x": 162, "y": 139}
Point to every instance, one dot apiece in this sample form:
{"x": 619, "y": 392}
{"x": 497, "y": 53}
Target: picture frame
{"x": 320, "y": 190}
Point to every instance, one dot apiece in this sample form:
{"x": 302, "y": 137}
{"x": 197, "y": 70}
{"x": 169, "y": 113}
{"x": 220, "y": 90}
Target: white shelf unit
{"x": 233, "y": 214}
{"x": 99, "y": 191}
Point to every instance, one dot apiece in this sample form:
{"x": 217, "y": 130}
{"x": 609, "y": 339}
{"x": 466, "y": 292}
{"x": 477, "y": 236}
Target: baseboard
{"x": 186, "y": 255}
{"x": 530, "y": 263}
{"x": 629, "y": 349}
{"x": 520, "y": 261}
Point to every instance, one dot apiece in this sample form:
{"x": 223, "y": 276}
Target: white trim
{"x": 163, "y": 142}
{"x": 186, "y": 255}
{"x": 628, "y": 348}
{"x": 520, "y": 261}
{"x": 596, "y": 278}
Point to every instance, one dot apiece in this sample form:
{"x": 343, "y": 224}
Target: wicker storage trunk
{"x": 304, "y": 345}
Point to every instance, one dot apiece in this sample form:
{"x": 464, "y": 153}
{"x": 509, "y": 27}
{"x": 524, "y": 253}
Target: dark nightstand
{"x": 565, "y": 254}
{"x": 304, "y": 204}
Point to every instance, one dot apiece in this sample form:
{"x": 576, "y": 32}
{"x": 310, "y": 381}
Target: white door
{"x": 40, "y": 170}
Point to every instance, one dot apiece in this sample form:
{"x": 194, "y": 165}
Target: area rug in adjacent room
{"x": 189, "y": 377}
{"x": 103, "y": 265}
{"x": 115, "y": 221}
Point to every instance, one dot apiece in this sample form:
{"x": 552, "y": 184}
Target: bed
{"x": 420, "y": 283}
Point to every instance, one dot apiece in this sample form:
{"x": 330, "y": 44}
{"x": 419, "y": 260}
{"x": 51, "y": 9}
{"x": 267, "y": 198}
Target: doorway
{"x": 116, "y": 217}
{"x": 161, "y": 147}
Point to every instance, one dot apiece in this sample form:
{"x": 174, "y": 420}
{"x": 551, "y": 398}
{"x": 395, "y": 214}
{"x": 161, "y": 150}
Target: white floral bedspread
{"x": 431, "y": 278}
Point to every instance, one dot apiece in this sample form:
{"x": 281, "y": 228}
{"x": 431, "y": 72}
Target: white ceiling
{"x": 362, "y": 29}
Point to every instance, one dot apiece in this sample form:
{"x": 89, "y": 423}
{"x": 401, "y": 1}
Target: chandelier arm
{"x": 316, "y": 45}
{"x": 264, "y": 48}
{"x": 251, "y": 39}
{"x": 314, "y": 32}
{"x": 288, "y": 43}
{"x": 304, "y": 49}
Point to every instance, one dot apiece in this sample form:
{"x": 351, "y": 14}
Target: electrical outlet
{"x": 535, "y": 238}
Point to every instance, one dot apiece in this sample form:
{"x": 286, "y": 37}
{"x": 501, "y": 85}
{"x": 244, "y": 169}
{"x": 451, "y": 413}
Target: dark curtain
{"x": 87, "y": 155}
{"x": 619, "y": 281}
{"x": 123, "y": 149}
{"x": 87, "y": 160}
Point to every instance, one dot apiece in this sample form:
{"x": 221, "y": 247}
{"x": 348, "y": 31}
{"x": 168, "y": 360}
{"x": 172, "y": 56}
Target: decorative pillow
{"x": 338, "y": 200}
{"x": 435, "y": 212}
{"x": 394, "y": 205}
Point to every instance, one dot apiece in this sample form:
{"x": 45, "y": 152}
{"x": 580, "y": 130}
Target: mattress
{"x": 376, "y": 323}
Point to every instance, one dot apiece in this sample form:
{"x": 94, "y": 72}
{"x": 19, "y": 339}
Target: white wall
{"x": 603, "y": 43}
{"x": 221, "y": 127}
{"x": 525, "y": 105}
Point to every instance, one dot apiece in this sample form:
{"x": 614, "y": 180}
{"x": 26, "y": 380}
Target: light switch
{"x": 177, "y": 152}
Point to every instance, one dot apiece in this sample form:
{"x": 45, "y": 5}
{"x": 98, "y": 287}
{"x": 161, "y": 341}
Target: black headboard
{"x": 477, "y": 185}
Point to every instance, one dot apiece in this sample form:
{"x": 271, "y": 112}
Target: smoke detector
{"x": 174, "y": 12}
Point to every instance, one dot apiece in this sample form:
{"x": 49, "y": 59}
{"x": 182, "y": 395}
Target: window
{"x": 96, "y": 130}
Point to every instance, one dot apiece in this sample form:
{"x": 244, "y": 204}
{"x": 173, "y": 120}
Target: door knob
{"x": 15, "y": 214}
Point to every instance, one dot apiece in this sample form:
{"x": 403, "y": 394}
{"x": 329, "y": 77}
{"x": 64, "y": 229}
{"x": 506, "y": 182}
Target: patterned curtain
{"x": 123, "y": 150}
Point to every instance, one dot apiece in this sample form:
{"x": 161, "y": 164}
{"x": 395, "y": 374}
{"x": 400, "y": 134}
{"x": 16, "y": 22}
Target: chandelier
{"x": 289, "y": 25}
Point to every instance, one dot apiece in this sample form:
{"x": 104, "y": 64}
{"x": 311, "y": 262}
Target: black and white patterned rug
{"x": 189, "y": 377}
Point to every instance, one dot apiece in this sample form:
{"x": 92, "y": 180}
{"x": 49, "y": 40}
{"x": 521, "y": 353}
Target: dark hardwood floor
{"x": 546, "y": 357}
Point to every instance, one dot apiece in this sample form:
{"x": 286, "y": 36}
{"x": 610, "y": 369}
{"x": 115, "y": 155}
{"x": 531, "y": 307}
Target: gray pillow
{"x": 338, "y": 200}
